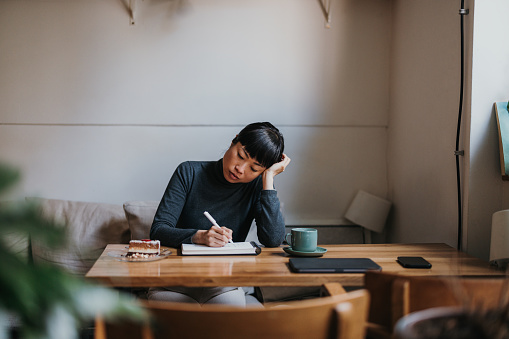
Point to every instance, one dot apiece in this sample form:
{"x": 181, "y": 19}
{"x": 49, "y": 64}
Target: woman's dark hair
{"x": 263, "y": 142}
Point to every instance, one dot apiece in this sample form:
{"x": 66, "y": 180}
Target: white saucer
{"x": 316, "y": 253}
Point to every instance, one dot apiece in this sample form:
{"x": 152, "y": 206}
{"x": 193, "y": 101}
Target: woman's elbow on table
{"x": 271, "y": 242}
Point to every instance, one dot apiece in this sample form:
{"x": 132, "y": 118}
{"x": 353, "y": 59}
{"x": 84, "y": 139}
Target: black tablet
{"x": 333, "y": 265}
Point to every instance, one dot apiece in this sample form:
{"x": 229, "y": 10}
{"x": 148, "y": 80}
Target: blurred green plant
{"x": 47, "y": 301}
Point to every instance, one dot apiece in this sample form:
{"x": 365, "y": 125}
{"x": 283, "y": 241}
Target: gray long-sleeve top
{"x": 198, "y": 186}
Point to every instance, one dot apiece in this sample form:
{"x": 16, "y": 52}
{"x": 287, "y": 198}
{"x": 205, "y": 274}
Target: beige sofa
{"x": 90, "y": 226}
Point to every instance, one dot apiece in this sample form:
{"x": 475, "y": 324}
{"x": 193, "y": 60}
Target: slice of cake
{"x": 144, "y": 248}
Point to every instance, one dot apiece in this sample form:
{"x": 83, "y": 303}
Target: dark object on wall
{"x": 502, "y": 115}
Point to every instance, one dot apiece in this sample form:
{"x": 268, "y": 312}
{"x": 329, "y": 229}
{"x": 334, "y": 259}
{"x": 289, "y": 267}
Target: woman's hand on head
{"x": 279, "y": 167}
{"x": 213, "y": 237}
{"x": 272, "y": 171}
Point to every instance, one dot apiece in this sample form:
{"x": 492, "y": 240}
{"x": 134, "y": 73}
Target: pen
{"x": 213, "y": 221}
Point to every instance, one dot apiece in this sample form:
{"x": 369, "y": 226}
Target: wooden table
{"x": 270, "y": 268}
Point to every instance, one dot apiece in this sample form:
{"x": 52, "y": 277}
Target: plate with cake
{"x": 141, "y": 250}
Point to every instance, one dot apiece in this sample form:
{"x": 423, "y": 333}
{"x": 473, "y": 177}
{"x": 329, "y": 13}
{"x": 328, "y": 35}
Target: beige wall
{"x": 423, "y": 118}
{"x": 422, "y": 125}
{"x": 95, "y": 109}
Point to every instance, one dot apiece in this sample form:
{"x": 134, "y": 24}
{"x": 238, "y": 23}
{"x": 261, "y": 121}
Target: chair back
{"x": 419, "y": 293}
{"x": 379, "y": 286}
{"x": 394, "y": 296}
{"x": 339, "y": 316}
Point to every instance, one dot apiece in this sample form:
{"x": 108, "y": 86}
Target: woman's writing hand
{"x": 272, "y": 171}
{"x": 213, "y": 237}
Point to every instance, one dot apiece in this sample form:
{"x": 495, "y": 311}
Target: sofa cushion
{"x": 140, "y": 215}
{"x": 90, "y": 227}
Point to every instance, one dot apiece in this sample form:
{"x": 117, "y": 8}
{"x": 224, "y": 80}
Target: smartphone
{"x": 413, "y": 262}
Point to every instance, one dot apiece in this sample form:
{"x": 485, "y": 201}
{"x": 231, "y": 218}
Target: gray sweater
{"x": 198, "y": 186}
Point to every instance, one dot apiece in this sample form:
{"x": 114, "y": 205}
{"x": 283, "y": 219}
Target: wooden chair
{"x": 395, "y": 296}
{"x": 342, "y": 316}
{"x": 379, "y": 286}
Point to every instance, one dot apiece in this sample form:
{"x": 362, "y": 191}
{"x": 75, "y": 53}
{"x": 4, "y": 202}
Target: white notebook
{"x": 236, "y": 248}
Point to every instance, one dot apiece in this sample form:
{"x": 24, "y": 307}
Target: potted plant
{"x": 44, "y": 300}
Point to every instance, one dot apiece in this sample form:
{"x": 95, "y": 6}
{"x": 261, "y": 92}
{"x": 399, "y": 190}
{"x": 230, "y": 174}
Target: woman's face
{"x": 238, "y": 166}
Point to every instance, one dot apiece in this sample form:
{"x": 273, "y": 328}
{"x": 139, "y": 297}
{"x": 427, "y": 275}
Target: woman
{"x": 234, "y": 190}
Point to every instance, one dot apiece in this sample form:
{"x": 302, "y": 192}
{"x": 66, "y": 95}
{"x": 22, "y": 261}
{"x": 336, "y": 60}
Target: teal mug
{"x": 303, "y": 239}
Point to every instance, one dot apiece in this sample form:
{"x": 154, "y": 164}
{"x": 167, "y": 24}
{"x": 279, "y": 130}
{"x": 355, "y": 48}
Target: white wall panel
{"x": 487, "y": 192}
{"x": 116, "y": 164}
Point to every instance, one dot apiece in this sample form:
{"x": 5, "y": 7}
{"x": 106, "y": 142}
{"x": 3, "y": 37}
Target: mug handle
{"x": 286, "y": 238}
